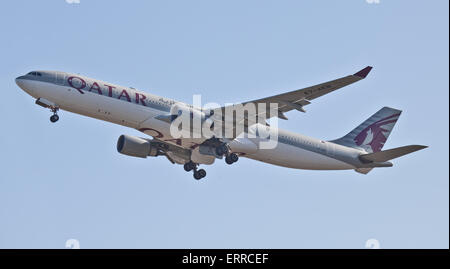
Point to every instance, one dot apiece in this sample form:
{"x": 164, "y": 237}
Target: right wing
{"x": 287, "y": 101}
{"x": 299, "y": 98}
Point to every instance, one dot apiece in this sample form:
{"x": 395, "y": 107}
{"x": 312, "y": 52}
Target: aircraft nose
{"x": 21, "y": 82}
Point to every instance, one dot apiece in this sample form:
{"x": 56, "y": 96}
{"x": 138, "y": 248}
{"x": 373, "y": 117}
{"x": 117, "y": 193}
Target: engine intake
{"x": 135, "y": 146}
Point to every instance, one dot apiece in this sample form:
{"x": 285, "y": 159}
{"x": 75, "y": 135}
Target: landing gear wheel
{"x": 202, "y": 173}
{"x": 234, "y": 157}
{"x": 54, "y": 118}
{"x": 189, "y": 166}
{"x": 228, "y": 160}
{"x": 199, "y": 174}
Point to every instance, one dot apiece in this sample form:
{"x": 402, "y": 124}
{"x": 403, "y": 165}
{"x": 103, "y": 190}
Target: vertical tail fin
{"x": 373, "y": 133}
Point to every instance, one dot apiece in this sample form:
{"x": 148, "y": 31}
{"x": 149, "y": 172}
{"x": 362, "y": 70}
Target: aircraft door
{"x": 60, "y": 77}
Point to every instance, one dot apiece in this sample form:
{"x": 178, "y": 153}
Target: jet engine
{"x": 136, "y": 146}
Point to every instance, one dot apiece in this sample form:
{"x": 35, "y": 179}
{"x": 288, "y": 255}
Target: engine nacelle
{"x": 135, "y": 146}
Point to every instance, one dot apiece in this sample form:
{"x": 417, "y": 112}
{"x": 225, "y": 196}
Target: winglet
{"x": 364, "y": 72}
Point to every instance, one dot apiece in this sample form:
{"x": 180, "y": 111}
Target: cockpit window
{"x": 35, "y": 74}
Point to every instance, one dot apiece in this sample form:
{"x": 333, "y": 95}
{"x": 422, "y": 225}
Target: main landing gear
{"x": 198, "y": 174}
{"x": 54, "y": 118}
{"x": 230, "y": 157}
{"x": 221, "y": 150}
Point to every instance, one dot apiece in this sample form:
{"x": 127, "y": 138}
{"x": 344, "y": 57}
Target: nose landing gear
{"x": 49, "y": 104}
{"x": 54, "y": 118}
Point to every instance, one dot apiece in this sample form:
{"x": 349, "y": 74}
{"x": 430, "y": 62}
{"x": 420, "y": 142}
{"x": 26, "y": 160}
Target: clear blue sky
{"x": 66, "y": 180}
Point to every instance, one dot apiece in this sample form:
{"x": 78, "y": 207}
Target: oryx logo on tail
{"x": 373, "y": 137}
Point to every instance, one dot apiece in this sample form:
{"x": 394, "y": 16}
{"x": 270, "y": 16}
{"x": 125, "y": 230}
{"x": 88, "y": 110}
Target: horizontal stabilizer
{"x": 386, "y": 155}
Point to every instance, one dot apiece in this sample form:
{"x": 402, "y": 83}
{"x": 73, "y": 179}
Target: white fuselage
{"x": 136, "y": 109}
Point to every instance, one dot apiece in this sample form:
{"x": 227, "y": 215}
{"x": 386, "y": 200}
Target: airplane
{"x": 359, "y": 150}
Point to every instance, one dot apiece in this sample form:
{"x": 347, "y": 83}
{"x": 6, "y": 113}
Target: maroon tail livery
{"x": 373, "y": 133}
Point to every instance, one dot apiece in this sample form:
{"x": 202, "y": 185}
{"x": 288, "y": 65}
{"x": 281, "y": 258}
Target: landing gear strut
{"x": 189, "y": 166}
{"x": 230, "y": 157}
{"x": 198, "y": 174}
{"x": 54, "y": 118}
